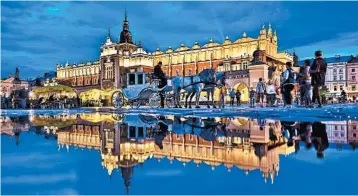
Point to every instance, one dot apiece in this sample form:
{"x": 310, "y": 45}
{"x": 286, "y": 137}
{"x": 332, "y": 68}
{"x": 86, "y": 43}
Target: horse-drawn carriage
{"x": 142, "y": 88}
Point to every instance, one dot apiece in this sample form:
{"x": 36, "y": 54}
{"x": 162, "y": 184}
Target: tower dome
{"x": 126, "y": 35}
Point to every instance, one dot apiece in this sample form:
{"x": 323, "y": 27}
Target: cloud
{"x": 343, "y": 44}
{"x": 39, "y": 179}
{"x": 63, "y": 191}
{"x": 40, "y": 34}
{"x": 32, "y": 160}
{"x": 164, "y": 173}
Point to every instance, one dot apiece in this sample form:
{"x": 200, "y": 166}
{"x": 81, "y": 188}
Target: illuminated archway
{"x": 244, "y": 89}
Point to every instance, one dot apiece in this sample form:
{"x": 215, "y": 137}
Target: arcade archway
{"x": 244, "y": 89}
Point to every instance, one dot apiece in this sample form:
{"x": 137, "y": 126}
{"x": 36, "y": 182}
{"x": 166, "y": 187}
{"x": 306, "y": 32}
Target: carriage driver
{"x": 159, "y": 74}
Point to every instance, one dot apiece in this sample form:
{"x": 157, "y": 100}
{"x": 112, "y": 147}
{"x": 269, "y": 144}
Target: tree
{"x": 38, "y": 82}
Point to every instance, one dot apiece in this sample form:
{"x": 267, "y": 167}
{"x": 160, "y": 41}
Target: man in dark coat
{"x": 159, "y": 74}
{"x": 319, "y": 138}
{"x": 318, "y": 76}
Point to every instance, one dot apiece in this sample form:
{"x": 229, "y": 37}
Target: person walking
{"x": 223, "y": 92}
{"x": 289, "y": 78}
{"x": 318, "y": 74}
{"x": 271, "y": 94}
{"x": 238, "y": 97}
{"x": 252, "y": 94}
{"x": 159, "y": 74}
{"x": 301, "y": 82}
{"x": 307, "y": 85}
{"x": 260, "y": 90}
{"x": 232, "y": 97}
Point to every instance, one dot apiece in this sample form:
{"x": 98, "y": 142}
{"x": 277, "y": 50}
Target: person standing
{"x": 307, "y": 84}
{"x": 289, "y": 78}
{"x": 159, "y": 74}
{"x": 260, "y": 90}
{"x": 223, "y": 92}
{"x": 301, "y": 81}
{"x": 238, "y": 97}
{"x": 318, "y": 74}
{"x": 252, "y": 94}
{"x": 271, "y": 93}
{"x": 232, "y": 97}
{"x": 344, "y": 96}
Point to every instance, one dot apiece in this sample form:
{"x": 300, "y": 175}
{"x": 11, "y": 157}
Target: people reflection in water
{"x": 289, "y": 130}
{"x": 161, "y": 132}
{"x": 319, "y": 138}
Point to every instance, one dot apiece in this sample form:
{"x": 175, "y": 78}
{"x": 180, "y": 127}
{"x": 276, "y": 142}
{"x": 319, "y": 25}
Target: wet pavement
{"x": 200, "y": 152}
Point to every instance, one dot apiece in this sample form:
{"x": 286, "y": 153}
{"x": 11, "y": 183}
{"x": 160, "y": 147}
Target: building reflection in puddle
{"x": 125, "y": 141}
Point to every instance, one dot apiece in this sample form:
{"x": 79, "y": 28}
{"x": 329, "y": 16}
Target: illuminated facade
{"x": 126, "y": 142}
{"x": 352, "y": 77}
{"x": 118, "y": 58}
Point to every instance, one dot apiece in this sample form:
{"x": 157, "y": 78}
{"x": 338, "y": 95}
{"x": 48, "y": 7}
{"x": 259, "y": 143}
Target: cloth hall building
{"x": 235, "y": 58}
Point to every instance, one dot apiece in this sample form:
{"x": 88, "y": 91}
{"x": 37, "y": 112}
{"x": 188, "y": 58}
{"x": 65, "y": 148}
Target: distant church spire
{"x": 125, "y": 15}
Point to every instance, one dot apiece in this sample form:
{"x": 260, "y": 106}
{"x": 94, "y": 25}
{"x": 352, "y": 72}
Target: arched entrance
{"x": 244, "y": 89}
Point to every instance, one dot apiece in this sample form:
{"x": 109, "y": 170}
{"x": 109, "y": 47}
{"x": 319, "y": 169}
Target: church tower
{"x": 125, "y": 39}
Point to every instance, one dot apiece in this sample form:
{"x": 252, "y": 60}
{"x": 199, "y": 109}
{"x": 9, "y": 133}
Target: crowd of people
{"x": 310, "y": 79}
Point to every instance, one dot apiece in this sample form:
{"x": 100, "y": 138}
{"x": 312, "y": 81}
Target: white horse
{"x": 209, "y": 89}
{"x": 192, "y": 84}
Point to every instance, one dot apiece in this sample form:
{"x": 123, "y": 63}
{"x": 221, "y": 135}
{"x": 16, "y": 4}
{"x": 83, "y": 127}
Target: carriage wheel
{"x": 169, "y": 101}
{"x": 154, "y": 100}
{"x": 135, "y": 104}
{"x": 118, "y": 99}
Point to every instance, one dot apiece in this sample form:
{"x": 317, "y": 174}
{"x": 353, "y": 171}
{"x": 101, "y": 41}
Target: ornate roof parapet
{"x": 227, "y": 40}
{"x": 196, "y": 45}
{"x": 158, "y": 51}
{"x": 182, "y": 47}
{"x": 269, "y": 33}
{"x": 244, "y": 35}
{"x": 211, "y": 44}
{"x": 169, "y": 50}
{"x": 140, "y": 50}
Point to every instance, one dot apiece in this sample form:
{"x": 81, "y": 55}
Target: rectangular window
{"x": 140, "y": 132}
{"x": 340, "y": 71}
{"x": 131, "y": 131}
{"x": 140, "y": 79}
{"x": 190, "y": 137}
{"x": 335, "y": 127}
{"x": 354, "y": 127}
{"x": 341, "y": 77}
{"x": 335, "y": 88}
{"x": 131, "y": 79}
{"x": 353, "y": 78}
{"x": 353, "y": 87}
{"x": 342, "y": 135}
{"x": 354, "y": 135}
{"x": 341, "y": 87}
{"x": 334, "y": 78}
{"x": 353, "y": 70}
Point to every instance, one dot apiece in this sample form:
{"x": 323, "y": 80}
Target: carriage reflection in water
{"x": 142, "y": 89}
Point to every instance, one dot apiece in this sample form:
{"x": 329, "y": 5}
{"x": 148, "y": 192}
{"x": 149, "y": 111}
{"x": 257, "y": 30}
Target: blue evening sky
{"x": 37, "y": 35}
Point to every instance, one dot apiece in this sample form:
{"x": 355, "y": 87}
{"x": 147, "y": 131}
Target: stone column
{"x": 101, "y": 73}
{"x": 116, "y": 73}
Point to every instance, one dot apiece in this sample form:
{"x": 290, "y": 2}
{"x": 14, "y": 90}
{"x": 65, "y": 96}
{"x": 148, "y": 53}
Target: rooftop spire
{"x": 125, "y": 14}
{"x": 109, "y": 33}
